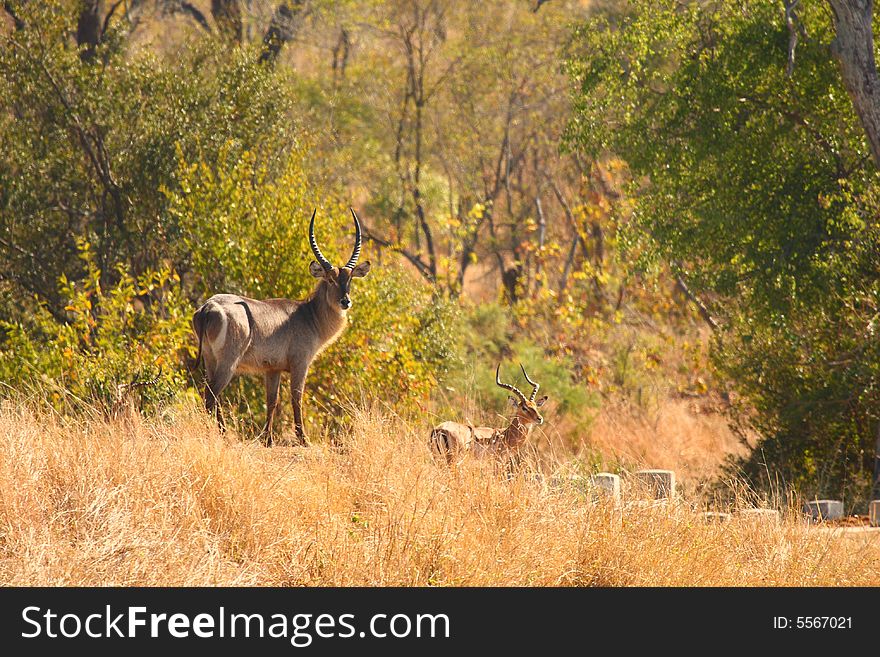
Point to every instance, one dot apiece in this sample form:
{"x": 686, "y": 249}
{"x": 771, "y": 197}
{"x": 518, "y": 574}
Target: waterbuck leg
{"x": 273, "y": 384}
{"x": 297, "y": 383}
{"x": 217, "y": 381}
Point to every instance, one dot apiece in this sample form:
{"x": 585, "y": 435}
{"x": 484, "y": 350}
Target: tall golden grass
{"x": 678, "y": 435}
{"x": 171, "y": 501}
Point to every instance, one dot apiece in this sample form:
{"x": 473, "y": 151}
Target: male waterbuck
{"x": 453, "y": 439}
{"x": 238, "y": 335}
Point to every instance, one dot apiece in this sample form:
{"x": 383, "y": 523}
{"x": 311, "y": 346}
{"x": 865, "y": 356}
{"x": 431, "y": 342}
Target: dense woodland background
{"x": 652, "y": 204}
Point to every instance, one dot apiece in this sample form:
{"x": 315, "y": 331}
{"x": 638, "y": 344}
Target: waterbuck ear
{"x": 541, "y": 401}
{"x": 316, "y": 270}
{"x": 361, "y": 270}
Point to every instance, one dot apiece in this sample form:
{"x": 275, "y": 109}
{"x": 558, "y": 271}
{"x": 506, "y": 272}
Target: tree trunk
{"x": 227, "y": 17}
{"x": 853, "y": 48}
{"x": 340, "y": 55}
{"x": 17, "y": 22}
{"x": 875, "y": 490}
{"x": 569, "y": 263}
{"x": 542, "y": 235}
{"x": 510, "y": 280}
{"x": 88, "y": 28}
{"x": 281, "y": 29}
{"x": 417, "y": 194}
{"x": 598, "y": 236}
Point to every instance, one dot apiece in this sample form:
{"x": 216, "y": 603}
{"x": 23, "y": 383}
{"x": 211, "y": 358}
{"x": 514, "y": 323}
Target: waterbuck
{"x": 453, "y": 439}
{"x": 238, "y": 335}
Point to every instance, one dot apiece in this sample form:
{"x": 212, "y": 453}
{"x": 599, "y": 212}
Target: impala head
{"x": 338, "y": 280}
{"x": 526, "y": 407}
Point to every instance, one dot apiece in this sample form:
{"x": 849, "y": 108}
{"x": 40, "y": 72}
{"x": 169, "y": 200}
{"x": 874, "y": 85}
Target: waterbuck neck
{"x": 327, "y": 316}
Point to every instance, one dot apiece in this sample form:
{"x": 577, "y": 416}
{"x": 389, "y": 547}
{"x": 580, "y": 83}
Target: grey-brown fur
{"x": 238, "y": 335}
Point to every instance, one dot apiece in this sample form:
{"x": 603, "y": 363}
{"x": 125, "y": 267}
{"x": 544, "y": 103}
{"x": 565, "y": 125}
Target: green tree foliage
{"x": 246, "y": 234}
{"x": 131, "y": 335}
{"x": 85, "y": 145}
{"x": 755, "y": 180}
{"x": 133, "y": 186}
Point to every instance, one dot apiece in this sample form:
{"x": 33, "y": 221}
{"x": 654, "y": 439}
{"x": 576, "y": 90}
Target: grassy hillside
{"x": 172, "y": 502}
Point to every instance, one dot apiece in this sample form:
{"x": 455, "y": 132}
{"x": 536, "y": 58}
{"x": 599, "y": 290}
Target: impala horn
{"x": 534, "y": 385}
{"x": 507, "y": 386}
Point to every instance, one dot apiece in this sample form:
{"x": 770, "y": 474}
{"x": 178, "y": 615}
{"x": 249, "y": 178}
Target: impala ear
{"x": 361, "y": 270}
{"x": 541, "y": 401}
{"x": 513, "y": 401}
{"x": 316, "y": 270}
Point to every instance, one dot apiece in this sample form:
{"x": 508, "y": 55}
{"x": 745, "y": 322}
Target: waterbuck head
{"x": 338, "y": 280}
{"x": 526, "y": 407}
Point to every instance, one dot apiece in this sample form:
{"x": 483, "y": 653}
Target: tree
{"x": 86, "y": 145}
{"x": 853, "y": 47}
{"x": 450, "y": 115}
{"x": 281, "y": 29}
{"x": 754, "y": 176}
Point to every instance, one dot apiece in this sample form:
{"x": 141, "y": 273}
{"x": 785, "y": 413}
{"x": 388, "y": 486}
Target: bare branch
{"x": 538, "y": 5}
{"x": 569, "y": 215}
{"x": 109, "y": 16}
{"x": 281, "y": 30}
{"x": 701, "y": 307}
{"x": 795, "y": 30}
{"x": 187, "y": 8}
{"x": 421, "y": 265}
{"x": 569, "y": 262}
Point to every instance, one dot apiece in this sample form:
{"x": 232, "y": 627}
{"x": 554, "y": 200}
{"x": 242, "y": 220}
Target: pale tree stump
{"x": 658, "y": 483}
{"x": 819, "y": 510}
{"x": 606, "y": 483}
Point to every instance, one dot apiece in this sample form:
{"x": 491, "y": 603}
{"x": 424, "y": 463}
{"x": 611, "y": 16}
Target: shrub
{"x": 85, "y": 145}
{"x": 133, "y": 332}
{"x": 247, "y": 235}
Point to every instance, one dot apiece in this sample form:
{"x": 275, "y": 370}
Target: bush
{"x": 86, "y": 145}
{"x": 247, "y": 235}
{"x": 756, "y": 179}
{"x": 106, "y": 340}
{"x": 809, "y": 387}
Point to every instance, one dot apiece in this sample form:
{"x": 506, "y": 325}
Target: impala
{"x": 238, "y": 335}
{"x": 453, "y": 439}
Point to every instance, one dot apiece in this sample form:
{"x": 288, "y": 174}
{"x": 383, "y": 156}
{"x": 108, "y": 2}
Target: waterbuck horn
{"x": 534, "y": 385}
{"x": 507, "y": 386}
{"x": 314, "y": 244}
{"x": 353, "y": 260}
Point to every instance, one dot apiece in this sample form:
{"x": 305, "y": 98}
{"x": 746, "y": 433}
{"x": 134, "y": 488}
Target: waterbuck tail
{"x": 199, "y": 326}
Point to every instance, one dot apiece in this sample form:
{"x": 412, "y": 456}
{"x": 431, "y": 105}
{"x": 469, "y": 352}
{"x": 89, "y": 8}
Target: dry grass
{"x": 174, "y": 503}
{"x": 679, "y": 435}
